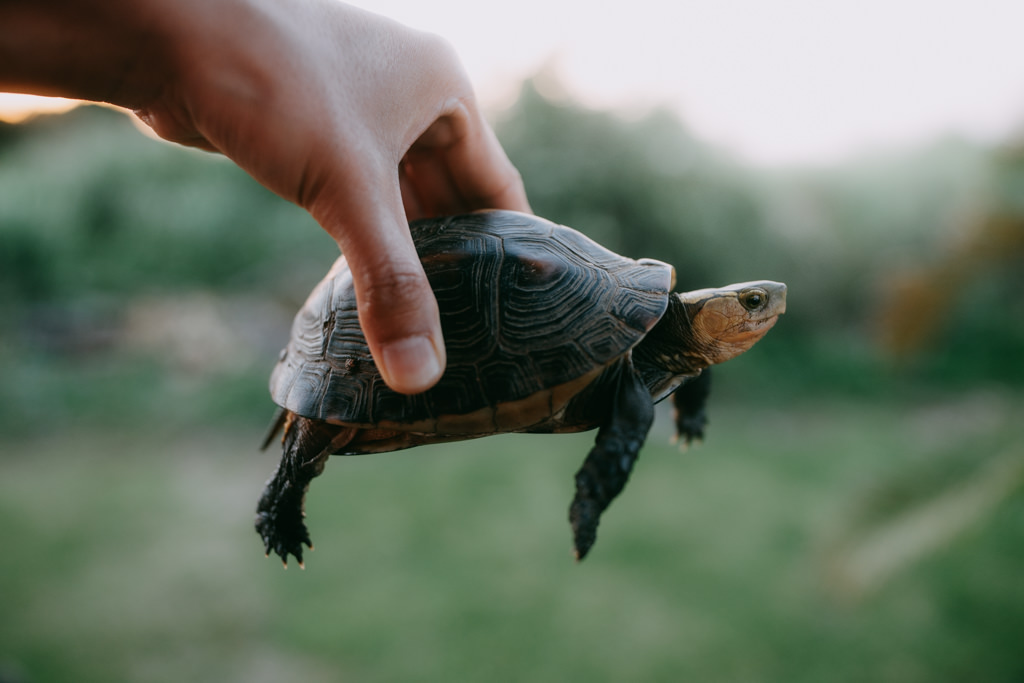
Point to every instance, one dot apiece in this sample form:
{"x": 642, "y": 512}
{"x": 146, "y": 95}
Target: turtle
{"x": 545, "y": 330}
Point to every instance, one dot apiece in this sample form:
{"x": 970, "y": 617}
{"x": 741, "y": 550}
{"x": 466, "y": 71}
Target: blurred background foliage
{"x": 855, "y": 515}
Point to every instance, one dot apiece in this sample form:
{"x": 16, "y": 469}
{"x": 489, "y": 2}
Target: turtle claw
{"x": 687, "y": 440}
{"x": 690, "y": 429}
{"x": 281, "y": 543}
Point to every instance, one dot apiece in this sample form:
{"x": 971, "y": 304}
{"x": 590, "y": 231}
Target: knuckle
{"x": 394, "y": 291}
{"x": 440, "y": 50}
{"x": 439, "y": 68}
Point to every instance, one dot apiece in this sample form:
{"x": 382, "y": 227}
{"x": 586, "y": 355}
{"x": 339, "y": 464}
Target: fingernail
{"x": 411, "y": 365}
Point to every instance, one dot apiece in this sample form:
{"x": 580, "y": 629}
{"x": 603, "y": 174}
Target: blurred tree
{"x": 974, "y": 281}
{"x": 89, "y": 206}
{"x": 642, "y": 187}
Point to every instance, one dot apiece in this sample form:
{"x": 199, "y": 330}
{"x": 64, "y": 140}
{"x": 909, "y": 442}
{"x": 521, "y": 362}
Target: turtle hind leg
{"x": 690, "y": 403}
{"x": 279, "y": 515}
{"x": 608, "y": 465}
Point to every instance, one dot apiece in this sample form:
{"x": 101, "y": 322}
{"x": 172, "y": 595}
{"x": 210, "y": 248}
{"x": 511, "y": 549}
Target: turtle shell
{"x": 526, "y": 306}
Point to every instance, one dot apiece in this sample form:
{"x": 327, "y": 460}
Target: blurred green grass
{"x": 131, "y": 556}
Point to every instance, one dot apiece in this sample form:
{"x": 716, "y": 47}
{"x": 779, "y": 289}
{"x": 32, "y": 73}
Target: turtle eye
{"x": 753, "y": 299}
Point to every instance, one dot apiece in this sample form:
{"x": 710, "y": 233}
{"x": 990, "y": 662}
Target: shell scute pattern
{"x": 308, "y": 387}
{"x": 567, "y": 358}
{"x": 525, "y": 305}
{"x": 351, "y": 389}
{"x": 378, "y": 402}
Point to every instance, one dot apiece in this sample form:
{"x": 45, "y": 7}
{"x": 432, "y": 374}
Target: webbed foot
{"x": 689, "y": 429}
{"x": 690, "y": 401}
{"x": 280, "y": 519}
{"x": 608, "y": 465}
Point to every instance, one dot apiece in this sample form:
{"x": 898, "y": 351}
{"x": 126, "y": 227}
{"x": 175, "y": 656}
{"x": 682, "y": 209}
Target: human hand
{"x": 363, "y": 122}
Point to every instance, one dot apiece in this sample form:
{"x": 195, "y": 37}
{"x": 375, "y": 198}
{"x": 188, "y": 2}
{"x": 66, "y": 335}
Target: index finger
{"x": 397, "y": 309}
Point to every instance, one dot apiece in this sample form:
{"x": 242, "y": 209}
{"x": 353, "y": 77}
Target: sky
{"x": 775, "y": 81}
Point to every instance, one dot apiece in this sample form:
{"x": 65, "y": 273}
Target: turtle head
{"x": 725, "y": 322}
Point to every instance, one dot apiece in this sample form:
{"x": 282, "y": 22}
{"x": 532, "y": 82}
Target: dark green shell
{"x": 526, "y": 305}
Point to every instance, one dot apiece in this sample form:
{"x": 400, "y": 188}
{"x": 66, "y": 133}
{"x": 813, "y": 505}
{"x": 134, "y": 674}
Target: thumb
{"x": 397, "y": 309}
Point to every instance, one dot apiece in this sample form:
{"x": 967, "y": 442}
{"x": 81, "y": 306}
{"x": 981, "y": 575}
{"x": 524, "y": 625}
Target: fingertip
{"x": 411, "y": 365}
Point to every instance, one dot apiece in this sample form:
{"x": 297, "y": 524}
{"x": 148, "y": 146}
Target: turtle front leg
{"x": 279, "y": 516}
{"x": 690, "y": 402}
{"x": 609, "y": 463}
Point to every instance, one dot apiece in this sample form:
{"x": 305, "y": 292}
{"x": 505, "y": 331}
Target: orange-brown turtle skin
{"x": 545, "y": 331}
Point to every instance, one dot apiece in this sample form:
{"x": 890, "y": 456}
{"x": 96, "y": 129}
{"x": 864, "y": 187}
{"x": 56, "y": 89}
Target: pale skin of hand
{"x": 363, "y": 122}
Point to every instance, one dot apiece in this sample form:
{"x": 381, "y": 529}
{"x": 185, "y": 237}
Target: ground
{"x": 133, "y": 558}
